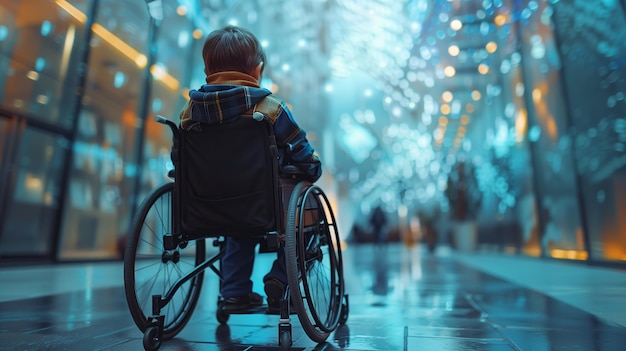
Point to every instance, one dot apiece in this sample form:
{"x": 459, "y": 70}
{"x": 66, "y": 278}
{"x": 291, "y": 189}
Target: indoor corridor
{"x": 400, "y": 299}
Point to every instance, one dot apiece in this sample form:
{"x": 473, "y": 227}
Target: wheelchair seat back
{"x": 227, "y": 179}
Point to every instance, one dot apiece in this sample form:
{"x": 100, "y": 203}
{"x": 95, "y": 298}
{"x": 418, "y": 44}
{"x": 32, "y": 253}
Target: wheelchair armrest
{"x": 291, "y": 171}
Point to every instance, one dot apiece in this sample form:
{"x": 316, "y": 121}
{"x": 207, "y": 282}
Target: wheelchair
{"x": 222, "y": 187}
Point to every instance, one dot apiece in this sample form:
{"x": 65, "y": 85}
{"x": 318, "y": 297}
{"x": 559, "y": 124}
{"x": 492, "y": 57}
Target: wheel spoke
{"x": 151, "y": 270}
{"x": 313, "y": 252}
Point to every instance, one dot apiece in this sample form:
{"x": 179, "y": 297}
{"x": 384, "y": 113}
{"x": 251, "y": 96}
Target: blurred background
{"x": 493, "y": 125}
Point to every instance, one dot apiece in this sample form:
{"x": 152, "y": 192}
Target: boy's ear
{"x": 257, "y": 71}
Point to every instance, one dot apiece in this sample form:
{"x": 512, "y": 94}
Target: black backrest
{"x": 226, "y": 179}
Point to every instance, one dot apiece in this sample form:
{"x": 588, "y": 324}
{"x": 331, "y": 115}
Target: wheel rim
{"x": 321, "y": 288}
{"x": 313, "y": 250}
{"x": 151, "y": 270}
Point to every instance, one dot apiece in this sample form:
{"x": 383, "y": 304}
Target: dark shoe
{"x": 275, "y": 289}
{"x": 244, "y": 302}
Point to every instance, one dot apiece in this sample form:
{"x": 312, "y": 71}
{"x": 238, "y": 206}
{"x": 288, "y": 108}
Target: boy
{"x": 234, "y": 62}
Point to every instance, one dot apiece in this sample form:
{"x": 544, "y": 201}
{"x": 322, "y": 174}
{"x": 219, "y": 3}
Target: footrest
{"x": 251, "y": 310}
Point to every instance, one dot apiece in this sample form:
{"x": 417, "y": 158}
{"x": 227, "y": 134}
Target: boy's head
{"x": 233, "y": 49}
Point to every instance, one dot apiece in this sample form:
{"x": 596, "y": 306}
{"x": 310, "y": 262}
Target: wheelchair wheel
{"x": 314, "y": 261}
{"x": 149, "y": 269}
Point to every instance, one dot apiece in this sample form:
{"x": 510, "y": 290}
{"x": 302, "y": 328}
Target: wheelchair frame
{"x": 309, "y": 236}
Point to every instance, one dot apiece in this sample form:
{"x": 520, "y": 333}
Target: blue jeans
{"x": 237, "y": 263}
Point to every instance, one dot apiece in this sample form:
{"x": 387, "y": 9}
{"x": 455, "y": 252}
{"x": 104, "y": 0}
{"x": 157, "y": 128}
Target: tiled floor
{"x": 400, "y": 299}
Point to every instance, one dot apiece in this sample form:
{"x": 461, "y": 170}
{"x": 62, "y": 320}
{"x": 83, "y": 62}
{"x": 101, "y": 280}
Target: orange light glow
{"x": 33, "y": 183}
{"x": 140, "y": 59}
{"x": 543, "y": 114}
{"x": 483, "y": 69}
{"x": 491, "y": 47}
{"x": 569, "y": 254}
{"x": 445, "y": 109}
{"x": 531, "y": 251}
{"x": 197, "y": 34}
{"x": 521, "y": 125}
{"x": 129, "y": 119}
{"x": 72, "y": 11}
{"x": 501, "y": 19}
{"x": 160, "y": 74}
{"x": 185, "y": 93}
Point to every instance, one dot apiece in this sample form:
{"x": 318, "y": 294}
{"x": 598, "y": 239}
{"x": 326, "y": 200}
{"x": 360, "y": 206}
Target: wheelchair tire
{"x": 150, "y": 270}
{"x": 314, "y": 261}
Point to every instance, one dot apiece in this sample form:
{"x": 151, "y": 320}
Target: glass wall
{"x": 104, "y": 164}
{"x": 90, "y": 125}
{"x": 38, "y": 56}
{"x": 591, "y": 40}
{"x": 554, "y": 208}
{"x": 179, "y": 61}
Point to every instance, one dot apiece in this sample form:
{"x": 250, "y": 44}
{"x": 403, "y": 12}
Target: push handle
{"x": 167, "y": 122}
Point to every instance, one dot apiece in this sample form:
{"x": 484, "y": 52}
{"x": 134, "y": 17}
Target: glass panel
{"x": 37, "y": 57}
{"x": 33, "y": 204}
{"x": 592, "y": 40}
{"x": 557, "y": 229}
{"x": 496, "y": 120}
{"x": 177, "y": 55}
{"x": 102, "y": 174}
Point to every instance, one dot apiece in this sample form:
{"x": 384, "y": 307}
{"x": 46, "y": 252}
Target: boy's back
{"x": 234, "y": 62}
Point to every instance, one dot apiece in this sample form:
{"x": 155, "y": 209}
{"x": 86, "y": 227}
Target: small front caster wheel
{"x": 285, "y": 340}
{"x": 151, "y": 339}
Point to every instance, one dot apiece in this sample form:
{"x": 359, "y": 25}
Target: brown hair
{"x": 232, "y": 49}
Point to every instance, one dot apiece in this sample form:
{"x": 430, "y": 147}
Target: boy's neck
{"x": 232, "y": 77}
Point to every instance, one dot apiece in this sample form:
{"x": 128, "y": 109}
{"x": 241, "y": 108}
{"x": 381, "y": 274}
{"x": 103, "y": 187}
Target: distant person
{"x": 428, "y": 229}
{"x": 462, "y": 192}
{"x": 378, "y": 223}
{"x": 233, "y": 63}
{"x": 464, "y": 198}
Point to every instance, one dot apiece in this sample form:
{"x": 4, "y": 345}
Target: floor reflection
{"x": 400, "y": 299}
{"x": 341, "y": 337}
{"x": 222, "y": 337}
